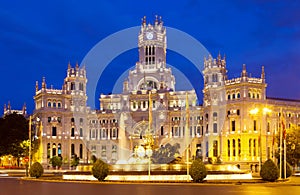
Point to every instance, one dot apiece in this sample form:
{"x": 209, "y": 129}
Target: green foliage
{"x": 55, "y": 161}
{"x": 198, "y": 171}
{"x": 13, "y": 131}
{"x": 36, "y": 170}
{"x": 93, "y": 159}
{"x": 269, "y": 171}
{"x": 166, "y": 154}
{"x": 100, "y": 170}
{"x": 75, "y": 161}
{"x": 292, "y": 145}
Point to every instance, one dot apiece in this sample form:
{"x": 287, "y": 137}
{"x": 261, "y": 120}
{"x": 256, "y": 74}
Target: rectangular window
{"x": 232, "y": 125}
{"x": 215, "y": 128}
{"x": 228, "y": 148}
{"x": 81, "y": 132}
{"x": 54, "y": 131}
{"x": 72, "y": 132}
{"x": 215, "y": 148}
{"x": 254, "y": 125}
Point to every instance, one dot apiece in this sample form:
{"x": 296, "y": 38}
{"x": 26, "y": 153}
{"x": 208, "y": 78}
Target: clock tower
{"x": 152, "y": 44}
{"x": 150, "y": 71}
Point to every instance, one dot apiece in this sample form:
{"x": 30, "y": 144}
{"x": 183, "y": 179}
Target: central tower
{"x": 152, "y": 44}
{"x": 150, "y": 71}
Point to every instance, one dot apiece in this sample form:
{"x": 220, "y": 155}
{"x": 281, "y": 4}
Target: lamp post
{"x": 29, "y": 152}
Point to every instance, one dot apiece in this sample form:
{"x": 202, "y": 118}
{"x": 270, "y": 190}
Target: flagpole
{"x": 284, "y": 150}
{"x": 29, "y": 152}
{"x": 280, "y": 145}
{"x": 284, "y": 154}
{"x": 186, "y": 135}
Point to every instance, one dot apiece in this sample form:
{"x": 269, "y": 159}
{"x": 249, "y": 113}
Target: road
{"x": 15, "y": 186}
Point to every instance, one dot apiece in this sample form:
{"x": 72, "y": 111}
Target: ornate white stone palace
{"x": 236, "y": 122}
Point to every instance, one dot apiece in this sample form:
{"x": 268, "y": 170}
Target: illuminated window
{"x": 215, "y": 148}
{"x": 228, "y": 148}
{"x": 233, "y": 147}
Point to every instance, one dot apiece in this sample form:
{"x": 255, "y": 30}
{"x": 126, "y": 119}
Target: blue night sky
{"x": 39, "y": 39}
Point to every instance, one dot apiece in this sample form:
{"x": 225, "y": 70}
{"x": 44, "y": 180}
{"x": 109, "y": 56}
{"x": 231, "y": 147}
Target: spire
{"x": 263, "y": 73}
{"x": 244, "y": 72}
{"x": 44, "y": 83}
{"x": 24, "y": 108}
{"x": 156, "y": 19}
{"x": 160, "y": 20}
{"x": 36, "y": 86}
{"x": 4, "y": 109}
{"x": 69, "y": 65}
{"x": 8, "y": 106}
{"x": 144, "y": 21}
{"x": 219, "y": 63}
{"x": 77, "y": 66}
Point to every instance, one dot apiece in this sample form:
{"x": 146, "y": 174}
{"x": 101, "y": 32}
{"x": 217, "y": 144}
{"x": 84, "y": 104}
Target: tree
{"x": 13, "y": 131}
{"x": 100, "y": 170}
{"x": 292, "y": 146}
{"x": 56, "y": 161}
{"x": 269, "y": 171}
{"x": 198, "y": 171}
{"x": 75, "y": 161}
{"x": 36, "y": 170}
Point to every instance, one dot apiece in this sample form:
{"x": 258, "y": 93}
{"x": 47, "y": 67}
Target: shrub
{"x": 36, "y": 170}
{"x": 93, "y": 159}
{"x": 55, "y": 161}
{"x": 100, "y": 170}
{"x": 269, "y": 171}
{"x": 198, "y": 171}
{"x": 75, "y": 161}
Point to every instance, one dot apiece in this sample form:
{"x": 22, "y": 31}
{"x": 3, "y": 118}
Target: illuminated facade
{"x": 236, "y": 122}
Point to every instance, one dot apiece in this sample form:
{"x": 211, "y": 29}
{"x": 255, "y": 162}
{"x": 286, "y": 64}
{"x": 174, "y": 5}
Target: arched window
{"x": 215, "y": 114}
{"x": 80, "y": 151}
{"x": 215, "y": 128}
{"x": 233, "y": 147}
{"x": 49, "y": 104}
{"x": 72, "y": 86}
{"x": 215, "y": 148}
{"x": 48, "y": 150}
{"x": 72, "y": 132}
{"x": 228, "y": 147}
{"x": 72, "y": 149}
{"x": 161, "y": 130}
{"x": 80, "y": 132}
{"x": 59, "y": 105}
{"x": 239, "y": 147}
{"x": 254, "y": 147}
{"x": 238, "y": 95}
{"x": 53, "y": 149}
{"x": 250, "y": 147}
{"x": 59, "y": 149}
{"x": 54, "y": 104}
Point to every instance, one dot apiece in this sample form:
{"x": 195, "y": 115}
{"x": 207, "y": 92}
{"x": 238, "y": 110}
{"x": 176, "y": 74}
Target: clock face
{"x": 149, "y": 35}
